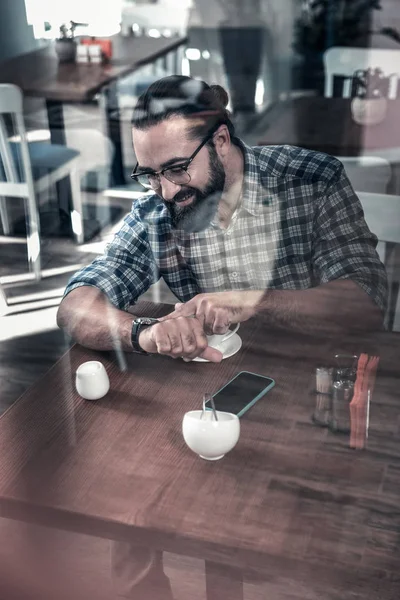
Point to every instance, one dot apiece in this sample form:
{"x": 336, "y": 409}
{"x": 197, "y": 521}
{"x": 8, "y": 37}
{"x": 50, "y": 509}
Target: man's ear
{"x": 222, "y": 141}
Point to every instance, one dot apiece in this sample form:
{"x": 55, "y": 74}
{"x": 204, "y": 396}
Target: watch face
{"x": 147, "y": 320}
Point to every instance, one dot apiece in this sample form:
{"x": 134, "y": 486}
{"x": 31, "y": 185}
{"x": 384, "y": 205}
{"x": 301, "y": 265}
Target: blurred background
{"x": 321, "y": 74}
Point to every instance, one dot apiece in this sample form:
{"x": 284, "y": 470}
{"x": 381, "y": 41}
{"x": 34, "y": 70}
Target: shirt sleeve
{"x": 127, "y": 268}
{"x": 343, "y": 245}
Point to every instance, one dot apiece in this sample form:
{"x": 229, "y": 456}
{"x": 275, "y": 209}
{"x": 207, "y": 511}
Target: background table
{"x": 326, "y": 125}
{"x": 40, "y": 74}
{"x": 291, "y": 500}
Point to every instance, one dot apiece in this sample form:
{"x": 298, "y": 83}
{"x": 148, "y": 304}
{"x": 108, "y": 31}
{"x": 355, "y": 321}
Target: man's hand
{"x": 179, "y": 337}
{"x": 217, "y": 311}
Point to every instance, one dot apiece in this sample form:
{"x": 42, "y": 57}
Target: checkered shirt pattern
{"x": 300, "y": 224}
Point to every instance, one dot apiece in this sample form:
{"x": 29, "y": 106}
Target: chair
{"x": 382, "y": 214}
{"x": 343, "y": 61}
{"x": 368, "y": 174}
{"x": 3, "y": 302}
{"x": 96, "y": 154}
{"x": 27, "y": 169}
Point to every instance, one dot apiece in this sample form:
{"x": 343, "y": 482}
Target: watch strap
{"x": 137, "y": 326}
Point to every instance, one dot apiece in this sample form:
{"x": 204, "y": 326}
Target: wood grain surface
{"x": 40, "y": 74}
{"x": 290, "y": 498}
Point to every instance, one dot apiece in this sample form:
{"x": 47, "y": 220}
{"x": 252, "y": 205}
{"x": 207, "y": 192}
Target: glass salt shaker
{"x": 342, "y": 395}
{"x": 323, "y": 389}
{"x": 323, "y": 410}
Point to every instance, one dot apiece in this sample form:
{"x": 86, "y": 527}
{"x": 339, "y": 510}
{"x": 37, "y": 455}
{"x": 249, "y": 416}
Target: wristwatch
{"x": 137, "y": 326}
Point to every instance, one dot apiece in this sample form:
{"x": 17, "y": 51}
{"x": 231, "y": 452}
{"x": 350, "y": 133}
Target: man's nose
{"x": 168, "y": 189}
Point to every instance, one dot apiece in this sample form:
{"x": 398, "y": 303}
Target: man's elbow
{"x": 62, "y": 314}
{"x": 70, "y": 306}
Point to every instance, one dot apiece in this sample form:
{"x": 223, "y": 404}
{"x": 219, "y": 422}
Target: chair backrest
{"x": 96, "y": 154}
{"x": 11, "y": 100}
{"x": 15, "y": 164}
{"x": 3, "y": 302}
{"x": 382, "y": 214}
{"x": 344, "y": 61}
{"x": 367, "y": 173}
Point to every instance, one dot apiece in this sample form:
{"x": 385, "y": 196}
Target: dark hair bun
{"x": 220, "y": 94}
{"x": 179, "y": 95}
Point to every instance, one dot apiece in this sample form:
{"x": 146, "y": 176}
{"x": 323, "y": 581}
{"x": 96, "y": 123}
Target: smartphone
{"x": 241, "y": 392}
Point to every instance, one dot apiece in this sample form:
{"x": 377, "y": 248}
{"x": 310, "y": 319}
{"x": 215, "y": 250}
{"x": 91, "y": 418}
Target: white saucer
{"x": 228, "y": 348}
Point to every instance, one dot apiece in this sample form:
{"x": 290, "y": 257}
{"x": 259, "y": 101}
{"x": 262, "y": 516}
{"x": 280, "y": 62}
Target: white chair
{"x": 27, "y": 169}
{"x": 3, "y": 302}
{"x": 382, "y": 214}
{"x": 368, "y": 174}
{"x": 344, "y": 61}
{"x": 96, "y": 153}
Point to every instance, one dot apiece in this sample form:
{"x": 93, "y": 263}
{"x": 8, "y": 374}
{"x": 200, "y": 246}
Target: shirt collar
{"x": 252, "y": 190}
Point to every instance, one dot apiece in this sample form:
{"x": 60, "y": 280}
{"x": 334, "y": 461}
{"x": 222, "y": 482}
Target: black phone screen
{"x": 241, "y": 392}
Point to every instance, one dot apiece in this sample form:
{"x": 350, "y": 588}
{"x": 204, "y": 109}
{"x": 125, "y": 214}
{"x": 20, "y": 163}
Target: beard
{"x": 200, "y": 213}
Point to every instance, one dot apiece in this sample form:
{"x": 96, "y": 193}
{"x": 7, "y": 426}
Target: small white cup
{"x": 217, "y": 340}
{"x": 91, "y": 380}
{"x": 208, "y": 438}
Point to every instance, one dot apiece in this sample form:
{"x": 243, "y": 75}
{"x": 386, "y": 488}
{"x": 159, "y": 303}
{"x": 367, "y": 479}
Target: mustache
{"x": 182, "y": 195}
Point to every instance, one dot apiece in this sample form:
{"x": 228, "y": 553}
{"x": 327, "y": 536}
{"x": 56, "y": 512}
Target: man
{"x": 276, "y": 232}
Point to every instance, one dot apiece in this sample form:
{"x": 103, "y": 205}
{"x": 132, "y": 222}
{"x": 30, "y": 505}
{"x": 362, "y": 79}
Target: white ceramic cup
{"x": 217, "y": 340}
{"x": 208, "y": 438}
{"x": 91, "y": 380}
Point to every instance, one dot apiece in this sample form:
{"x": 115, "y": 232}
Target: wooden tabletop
{"x": 290, "y": 493}
{"x": 40, "y": 74}
{"x": 326, "y": 125}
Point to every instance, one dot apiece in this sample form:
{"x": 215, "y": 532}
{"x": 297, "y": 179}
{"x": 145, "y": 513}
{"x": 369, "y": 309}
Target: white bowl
{"x": 208, "y": 438}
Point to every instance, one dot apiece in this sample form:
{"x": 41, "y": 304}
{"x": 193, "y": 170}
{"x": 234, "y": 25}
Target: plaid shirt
{"x": 299, "y": 225}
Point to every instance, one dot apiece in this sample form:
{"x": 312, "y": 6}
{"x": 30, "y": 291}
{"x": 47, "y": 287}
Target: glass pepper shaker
{"x": 323, "y": 410}
{"x": 342, "y": 392}
{"x": 346, "y": 367}
{"x": 341, "y": 397}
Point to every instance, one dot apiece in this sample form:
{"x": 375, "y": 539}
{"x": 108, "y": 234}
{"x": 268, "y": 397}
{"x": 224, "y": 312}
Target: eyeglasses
{"x": 177, "y": 174}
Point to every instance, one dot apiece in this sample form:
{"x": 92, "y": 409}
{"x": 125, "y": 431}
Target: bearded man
{"x": 273, "y": 232}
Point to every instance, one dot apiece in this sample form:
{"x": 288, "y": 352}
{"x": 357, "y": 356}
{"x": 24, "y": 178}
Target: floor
{"x": 72, "y": 566}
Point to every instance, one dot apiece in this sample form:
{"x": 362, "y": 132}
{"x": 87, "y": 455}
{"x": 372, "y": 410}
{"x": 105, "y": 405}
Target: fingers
{"x": 212, "y": 354}
{"x": 214, "y": 316}
{"x": 221, "y": 322}
{"x": 181, "y": 310}
{"x": 214, "y": 319}
{"x": 182, "y": 337}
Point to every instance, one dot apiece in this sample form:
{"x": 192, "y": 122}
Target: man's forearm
{"x": 89, "y": 318}
{"x": 336, "y": 306}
